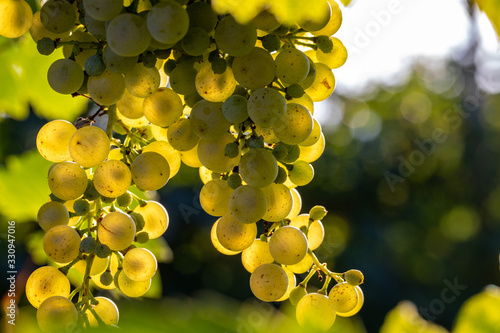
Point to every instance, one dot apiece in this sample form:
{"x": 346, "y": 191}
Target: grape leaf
{"x": 492, "y": 10}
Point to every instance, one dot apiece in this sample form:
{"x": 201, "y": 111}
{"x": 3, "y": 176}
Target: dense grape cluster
{"x": 181, "y": 84}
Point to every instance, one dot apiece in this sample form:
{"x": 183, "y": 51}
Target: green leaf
{"x": 492, "y": 10}
{"x": 479, "y": 314}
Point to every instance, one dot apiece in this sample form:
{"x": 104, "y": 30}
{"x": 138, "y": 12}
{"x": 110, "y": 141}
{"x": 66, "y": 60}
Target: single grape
{"x": 233, "y": 38}
{"x": 354, "y": 277}
{"x": 201, "y": 15}
{"x": 62, "y": 244}
{"x": 182, "y": 80}
{"x": 344, "y": 297}
{"x": 301, "y": 173}
{"x": 247, "y": 204}
{"x": 214, "y": 197}
{"x": 215, "y": 87}
{"x": 168, "y": 152}
{"x": 81, "y": 206}
{"x": 130, "y": 287}
{"x": 254, "y": 70}
{"x": 112, "y": 178}
{"x": 15, "y": 18}
{"x": 334, "y": 22}
{"x": 67, "y": 180}
{"x": 217, "y": 244}
{"x": 336, "y": 57}
{"x": 58, "y": 16}
{"x": 258, "y": 167}
{"x": 358, "y": 306}
{"x": 139, "y": 264}
{"x": 288, "y": 245}
{"x": 128, "y": 35}
{"x": 315, "y": 311}
{"x": 292, "y": 66}
{"x": 269, "y": 282}
{"x": 234, "y": 109}
{"x": 196, "y": 41}
{"x": 117, "y": 63}
{"x": 89, "y": 146}
{"x": 313, "y": 152}
{"x": 141, "y": 81}
{"x": 168, "y": 22}
{"x": 106, "y": 309}
{"x": 102, "y": 251}
{"x": 107, "y": 88}
{"x": 150, "y": 171}
{"x": 266, "y": 106}
{"x": 163, "y": 108}
{"x": 256, "y": 255}
{"x": 296, "y": 294}
{"x": 181, "y": 135}
{"x": 52, "y": 214}
{"x": 45, "y": 282}
{"x": 211, "y": 154}
{"x": 103, "y": 10}
{"x": 323, "y": 84}
{"x": 65, "y": 76}
{"x": 155, "y": 218}
{"x": 208, "y": 121}
{"x": 116, "y": 230}
{"x": 296, "y": 126}
{"x": 234, "y": 235}
{"x": 279, "y": 202}
{"x": 56, "y": 314}
{"x": 320, "y": 20}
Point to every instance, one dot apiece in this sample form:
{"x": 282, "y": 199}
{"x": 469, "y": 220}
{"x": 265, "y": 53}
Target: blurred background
{"x": 410, "y": 177}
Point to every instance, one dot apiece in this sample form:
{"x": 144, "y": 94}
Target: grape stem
{"x": 66, "y": 268}
{"x": 324, "y": 269}
{"x": 308, "y": 277}
{"x": 324, "y": 289}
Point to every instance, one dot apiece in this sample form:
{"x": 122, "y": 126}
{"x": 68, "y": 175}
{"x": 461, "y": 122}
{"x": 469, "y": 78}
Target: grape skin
{"x": 130, "y": 287}
{"x": 65, "y": 76}
{"x": 139, "y": 264}
{"x": 62, "y": 244}
{"x": 45, "y": 282}
{"x": 128, "y": 35}
{"x": 215, "y": 87}
{"x": 116, "y": 230}
{"x": 52, "y": 140}
{"x": 67, "y": 180}
{"x": 234, "y": 235}
{"x": 168, "y": 22}
{"x": 107, "y": 88}
{"x": 89, "y": 146}
{"x": 315, "y": 311}
{"x": 171, "y": 155}
{"x": 288, "y": 245}
{"x": 344, "y": 297}
{"x": 107, "y": 311}
{"x": 56, "y": 314}
{"x": 112, "y": 178}
{"x": 256, "y": 255}
{"x": 247, "y": 204}
{"x": 215, "y": 241}
{"x": 15, "y": 18}
{"x": 269, "y": 282}
{"x": 150, "y": 171}
{"x": 155, "y": 218}
{"x": 51, "y": 214}
{"x": 214, "y": 197}
{"x": 163, "y": 108}
{"x": 258, "y": 167}
{"x": 141, "y": 81}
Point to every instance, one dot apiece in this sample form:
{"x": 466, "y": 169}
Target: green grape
{"x": 258, "y": 167}
{"x": 292, "y": 282}
{"x": 305, "y": 101}
{"x": 295, "y": 90}
{"x": 163, "y": 108}
{"x": 79, "y": 35}
{"x": 208, "y": 121}
{"x": 190, "y": 158}
{"x": 56, "y": 314}
{"x": 81, "y": 206}
{"x": 130, "y": 106}
{"x": 269, "y": 282}
{"x": 234, "y": 109}
{"x": 296, "y": 294}
{"x": 254, "y": 70}
{"x": 128, "y": 35}
{"x": 266, "y": 106}
{"x": 314, "y": 136}
{"x": 201, "y": 15}
{"x": 89, "y": 146}
{"x": 150, "y": 171}
{"x": 15, "y": 18}
{"x": 234, "y": 181}
{"x": 271, "y": 42}
{"x": 296, "y": 126}
{"x": 234, "y": 235}
{"x": 323, "y": 84}
{"x": 267, "y": 133}
{"x": 354, "y": 277}
{"x": 99, "y": 265}
{"x": 315, "y": 311}
{"x": 233, "y": 38}
{"x": 124, "y": 200}
{"x": 219, "y": 65}
{"x": 313, "y": 152}
{"x": 95, "y": 27}
{"x": 297, "y": 204}
{"x": 107, "y": 276}
{"x": 315, "y": 230}
{"x": 106, "y": 309}
{"x": 67, "y": 180}
{"x": 324, "y": 44}
{"x": 336, "y": 57}
{"x": 256, "y": 255}
{"x": 102, "y": 251}
{"x": 309, "y": 79}
{"x": 171, "y": 155}
{"x": 301, "y": 174}
{"x": 216, "y": 243}
{"x": 112, "y": 178}
{"x": 103, "y": 10}
{"x": 52, "y": 214}
{"x": 117, "y": 63}
{"x": 155, "y": 218}
{"x": 65, "y": 76}
{"x": 215, "y": 87}
{"x": 107, "y": 88}
{"x": 282, "y": 176}
{"x": 288, "y": 245}
{"x": 344, "y": 297}
{"x": 196, "y": 41}
{"x": 45, "y": 282}
{"x": 358, "y": 306}
{"x": 211, "y": 154}
{"x": 292, "y": 66}
{"x": 265, "y": 21}
{"x": 87, "y": 245}
{"x": 232, "y": 149}
{"x": 130, "y": 287}
{"x": 52, "y": 141}
{"x": 116, "y": 230}
{"x": 214, "y": 197}
{"x": 320, "y": 21}
{"x": 334, "y": 22}
{"x": 141, "y": 81}
{"x": 139, "y": 264}
{"x": 181, "y": 135}
{"x": 302, "y": 266}
{"x": 168, "y": 22}
{"x": 37, "y": 30}
{"x": 279, "y": 202}
{"x": 58, "y": 16}
{"x": 247, "y": 204}
{"x": 182, "y": 80}
{"x": 94, "y": 65}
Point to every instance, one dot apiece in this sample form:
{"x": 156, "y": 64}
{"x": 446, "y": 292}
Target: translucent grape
{"x": 216, "y": 243}
{"x": 113, "y": 268}
{"x": 15, "y": 18}
{"x": 52, "y": 214}
{"x": 215, "y": 87}
{"x": 211, "y": 154}
{"x": 315, "y": 311}
{"x": 334, "y": 22}
{"x": 258, "y": 167}
{"x": 269, "y": 282}
{"x": 53, "y": 138}
{"x": 266, "y": 106}
{"x": 37, "y": 30}
{"x": 247, "y": 204}
{"x": 302, "y": 266}
{"x": 323, "y": 85}
{"x": 99, "y": 265}
{"x": 336, "y": 58}
{"x": 288, "y": 245}
{"x": 112, "y": 178}
{"x": 155, "y": 218}
{"x": 128, "y": 35}
{"x": 254, "y": 70}
{"x": 130, "y": 287}
{"x": 103, "y": 10}
{"x": 168, "y": 152}
{"x": 106, "y": 309}
{"x": 302, "y": 173}
{"x": 296, "y": 126}
{"x": 139, "y": 264}
{"x": 163, "y": 108}
{"x": 89, "y": 146}
{"x": 130, "y": 106}
{"x": 150, "y": 171}
{"x": 234, "y": 235}
{"x": 358, "y": 306}
{"x": 45, "y": 282}
{"x": 233, "y": 38}
{"x": 320, "y": 21}
{"x": 168, "y": 22}
{"x": 196, "y": 41}
{"x": 292, "y": 282}
{"x": 256, "y": 255}
{"x": 208, "y": 121}
{"x": 234, "y": 109}
{"x": 292, "y": 66}
{"x": 190, "y": 158}
{"x": 65, "y": 76}
{"x": 67, "y": 180}
{"x": 305, "y": 101}
{"x": 141, "y": 81}
{"x": 182, "y": 80}
{"x": 117, "y": 63}
{"x": 279, "y": 202}
{"x": 214, "y": 197}
{"x": 58, "y": 16}
{"x": 354, "y": 277}
{"x": 116, "y": 230}
{"x": 62, "y": 244}
{"x": 107, "y": 88}
{"x": 181, "y": 135}
{"x": 313, "y": 152}
{"x": 344, "y": 297}
{"x": 56, "y": 314}
{"x": 315, "y": 230}
{"x": 314, "y": 136}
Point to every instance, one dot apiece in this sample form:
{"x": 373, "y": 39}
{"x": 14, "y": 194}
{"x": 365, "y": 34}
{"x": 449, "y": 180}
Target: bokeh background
{"x": 410, "y": 177}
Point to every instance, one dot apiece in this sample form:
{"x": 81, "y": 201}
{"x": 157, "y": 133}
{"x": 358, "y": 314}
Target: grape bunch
{"x": 181, "y": 83}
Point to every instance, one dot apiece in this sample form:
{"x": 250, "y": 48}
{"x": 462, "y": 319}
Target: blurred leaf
{"x": 492, "y": 10}
{"x": 23, "y": 186}
{"x": 479, "y": 313}
{"x": 404, "y": 318}
{"x": 155, "y": 290}
{"x": 160, "y": 249}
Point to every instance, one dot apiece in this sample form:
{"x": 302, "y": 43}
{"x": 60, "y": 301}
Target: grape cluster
{"x": 181, "y": 84}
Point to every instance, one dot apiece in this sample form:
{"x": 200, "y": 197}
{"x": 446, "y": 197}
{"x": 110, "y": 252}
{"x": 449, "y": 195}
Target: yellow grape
{"x": 217, "y": 244}
{"x": 62, "y": 244}
{"x": 315, "y": 231}
{"x": 302, "y": 266}
{"x": 155, "y": 218}
{"x": 99, "y": 265}
{"x": 234, "y": 235}
{"x": 89, "y": 146}
{"x": 65, "y": 76}
{"x": 215, "y": 87}
{"x": 107, "y": 88}
{"x": 212, "y": 155}
{"x": 302, "y": 173}
{"x": 52, "y": 214}
{"x": 56, "y": 314}
{"x": 269, "y": 282}
{"x": 168, "y": 152}
{"x": 266, "y": 107}
{"x": 214, "y": 197}
{"x": 334, "y": 22}
{"x": 297, "y": 204}
{"x": 107, "y": 311}
{"x": 181, "y": 135}
{"x": 58, "y": 16}
{"x": 279, "y": 202}
{"x": 208, "y": 121}
{"x": 38, "y": 31}
{"x": 139, "y": 264}
{"x": 254, "y": 70}
{"x": 150, "y": 171}
{"x": 344, "y": 297}
{"x": 255, "y": 255}
{"x": 312, "y": 153}
{"x": 117, "y": 63}
{"x": 45, "y": 282}
{"x": 190, "y": 158}
{"x": 288, "y": 245}
{"x": 130, "y": 106}
{"x": 15, "y": 18}
{"x": 112, "y": 178}
{"x": 358, "y": 306}
{"x": 292, "y": 66}
{"x": 205, "y": 174}
{"x": 315, "y": 311}
{"x": 159, "y": 133}
{"x": 113, "y": 267}
{"x": 247, "y": 204}
{"x": 116, "y": 230}
{"x": 162, "y": 108}
{"x": 267, "y": 133}
{"x": 128, "y": 35}
{"x": 137, "y": 123}
{"x": 336, "y": 57}
{"x": 258, "y": 167}
{"x": 323, "y": 84}
{"x": 52, "y": 140}
{"x": 292, "y": 283}
{"x": 67, "y": 180}
{"x": 314, "y": 136}
{"x": 168, "y": 22}
{"x": 141, "y": 81}
{"x": 233, "y": 38}
{"x": 320, "y": 20}
{"x": 130, "y": 287}
{"x": 296, "y": 126}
